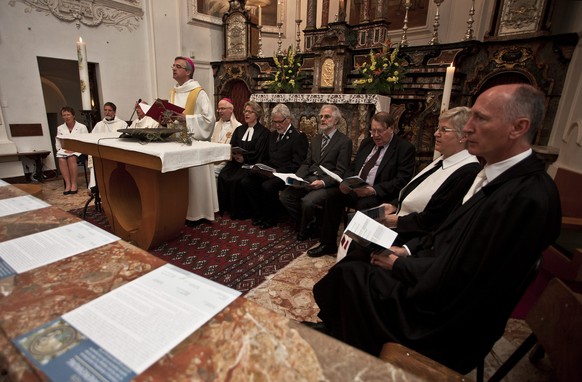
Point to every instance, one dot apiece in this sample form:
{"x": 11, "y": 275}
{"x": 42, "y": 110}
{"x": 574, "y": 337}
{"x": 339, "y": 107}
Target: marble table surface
{"x": 244, "y": 342}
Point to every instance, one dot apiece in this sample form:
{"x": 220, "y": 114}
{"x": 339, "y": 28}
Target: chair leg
{"x": 87, "y": 205}
{"x": 98, "y": 207}
{"x": 480, "y": 370}
{"x": 514, "y": 358}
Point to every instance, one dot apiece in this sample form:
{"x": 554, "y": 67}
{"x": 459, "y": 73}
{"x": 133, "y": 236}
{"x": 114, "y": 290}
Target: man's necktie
{"x": 370, "y": 163}
{"x": 418, "y": 180}
{"x": 324, "y": 142}
{"x": 478, "y": 183}
{"x": 280, "y": 137}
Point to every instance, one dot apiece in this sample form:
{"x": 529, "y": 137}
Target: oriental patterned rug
{"x": 231, "y": 252}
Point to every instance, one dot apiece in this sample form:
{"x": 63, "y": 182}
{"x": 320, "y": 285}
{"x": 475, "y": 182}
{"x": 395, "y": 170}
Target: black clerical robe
{"x": 450, "y": 302}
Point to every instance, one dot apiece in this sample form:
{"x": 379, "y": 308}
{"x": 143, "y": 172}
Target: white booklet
{"x": 120, "y": 334}
{"x": 369, "y": 233}
{"x": 20, "y": 204}
{"x": 32, "y": 251}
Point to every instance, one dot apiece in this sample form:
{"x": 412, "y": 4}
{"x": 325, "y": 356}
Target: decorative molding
{"x": 120, "y": 14}
{"x": 381, "y": 103}
{"x": 195, "y": 14}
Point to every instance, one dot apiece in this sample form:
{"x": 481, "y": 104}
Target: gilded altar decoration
{"x": 382, "y": 73}
{"x": 287, "y": 76}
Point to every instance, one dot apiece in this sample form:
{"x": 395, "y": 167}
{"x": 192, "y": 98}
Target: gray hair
{"x": 526, "y": 102}
{"x": 256, "y": 108}
{"x": 281, "y": 109}
{"x": 458, "y": 116}
{"x": 335, "y": 112}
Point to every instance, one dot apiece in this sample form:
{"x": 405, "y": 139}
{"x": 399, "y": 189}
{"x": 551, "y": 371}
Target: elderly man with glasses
{"x": 331, "y": 149}
{"x": 384, "y": 162}
{"x": 224, "y": 127}
{"x": 286, "y": 151}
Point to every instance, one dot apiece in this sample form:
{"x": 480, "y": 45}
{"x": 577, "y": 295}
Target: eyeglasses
{"x": 177, "y": 66}
{"x": 224, "y": 108}
{"x": 443, "y": 130}
{"x": 377, "y": 131}
{"x": 248, "y": 111}
{"x": 325, "y": 116}
{"x": 278, "y": 122}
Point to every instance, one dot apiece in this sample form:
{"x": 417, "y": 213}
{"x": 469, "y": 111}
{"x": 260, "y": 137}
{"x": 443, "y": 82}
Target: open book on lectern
{"x": 161, "y": 106}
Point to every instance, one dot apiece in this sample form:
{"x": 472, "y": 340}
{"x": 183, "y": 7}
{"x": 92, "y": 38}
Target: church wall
{"x": 122, "y": 60}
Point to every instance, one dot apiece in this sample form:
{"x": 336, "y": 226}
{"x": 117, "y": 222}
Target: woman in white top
{"x": 68, "y": 159}
{"x": 434, "y": 192}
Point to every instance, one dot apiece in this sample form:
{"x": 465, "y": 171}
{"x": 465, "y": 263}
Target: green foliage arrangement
{"x": 287, "y": 77}
{"x": 382, "y": 74}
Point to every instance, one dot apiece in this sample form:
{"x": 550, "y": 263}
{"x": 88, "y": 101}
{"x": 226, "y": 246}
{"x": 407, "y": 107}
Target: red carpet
{"x": 232, "y": 253}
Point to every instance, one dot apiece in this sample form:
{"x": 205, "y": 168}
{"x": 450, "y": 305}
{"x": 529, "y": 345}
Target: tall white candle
{"x": 84, "y": 74}
{"x": 260, "y": 15}
{"x": 280, "y": 12}
{"x": 298, "y": 10}
{"x": 448, "y": 87}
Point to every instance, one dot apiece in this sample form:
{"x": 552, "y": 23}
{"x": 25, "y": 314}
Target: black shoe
{"x": 322, "y": 249}
{"x": 194, "y": 223}
{"x": 303, "y": 235}
{"x": 73, "y": 192}
{"x": 319, "y": 326}
{"x": 66, "y": 192}
{"x": 268, "y": 224}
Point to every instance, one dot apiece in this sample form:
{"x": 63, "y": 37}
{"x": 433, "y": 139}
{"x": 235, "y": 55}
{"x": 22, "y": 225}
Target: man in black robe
{"x": 451, "y": 297}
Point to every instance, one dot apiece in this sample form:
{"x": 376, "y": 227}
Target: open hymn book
{"x": 370, "y": 233}
{"x": 351, "y": 182}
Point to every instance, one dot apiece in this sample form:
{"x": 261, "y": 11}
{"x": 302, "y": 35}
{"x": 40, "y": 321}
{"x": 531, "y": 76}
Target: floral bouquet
{"x": 287, "y": 77}
{"x": 382, "y": 73}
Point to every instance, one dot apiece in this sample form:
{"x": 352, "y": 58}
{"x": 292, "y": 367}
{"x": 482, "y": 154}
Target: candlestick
{"x": 469, "y": 33}
{"x": 435, "y": 34}
{"x": 298, "y": 9}
{"x": 298, "y": 35}
{"x": 260, "y": 16}
{"x": 279, "y": 41}
{"x": 84, "y": 74}
{"x": 448, "y": 87}
{"x": 260, "y": 52}
{"x": 404, "y": 41}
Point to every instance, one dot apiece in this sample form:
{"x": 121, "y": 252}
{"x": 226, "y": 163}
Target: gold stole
{"x": 190, "y": 102}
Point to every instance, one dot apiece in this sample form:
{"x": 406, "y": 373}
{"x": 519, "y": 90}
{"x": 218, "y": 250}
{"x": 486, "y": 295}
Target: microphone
{"x": 136, "y": 105}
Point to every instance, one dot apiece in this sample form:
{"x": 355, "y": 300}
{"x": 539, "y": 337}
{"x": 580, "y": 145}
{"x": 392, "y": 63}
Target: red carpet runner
{"x": 232, "y": 253}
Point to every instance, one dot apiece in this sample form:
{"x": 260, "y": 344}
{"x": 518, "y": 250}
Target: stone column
{"x": 324, "y": 13}
{"x": 365, "y": 11}
{"x": 380, "y": 16}
{"x": 311, "y": 14}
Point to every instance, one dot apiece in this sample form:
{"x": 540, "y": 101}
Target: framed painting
{"x": 211, "y": 11}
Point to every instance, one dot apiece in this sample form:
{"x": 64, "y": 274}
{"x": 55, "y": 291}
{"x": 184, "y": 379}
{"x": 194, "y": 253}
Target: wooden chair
{"x": 556, "y": 322}
{"x": 415, "y": 363}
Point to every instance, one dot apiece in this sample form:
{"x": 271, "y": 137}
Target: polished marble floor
{"x": 289, "y": 293}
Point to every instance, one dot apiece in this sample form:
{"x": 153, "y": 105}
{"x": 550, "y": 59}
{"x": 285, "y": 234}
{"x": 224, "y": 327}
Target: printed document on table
{"x": 364, "y": 230}
{"x": 32, "y": 251}
{"x": 120, "y": 334}
{"x": 20, "y": 204}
